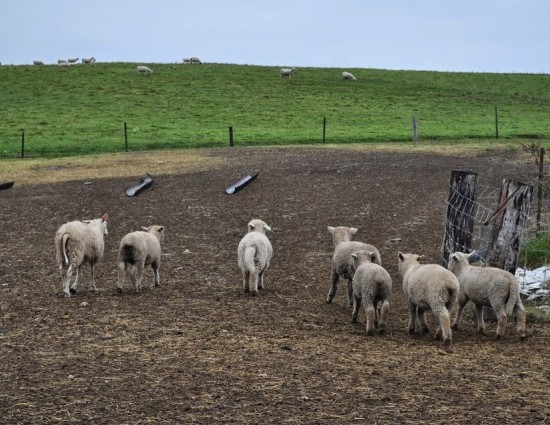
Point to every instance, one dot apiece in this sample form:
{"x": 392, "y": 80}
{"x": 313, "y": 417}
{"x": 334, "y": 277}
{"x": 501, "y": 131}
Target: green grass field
{"x": 82, "y": 109}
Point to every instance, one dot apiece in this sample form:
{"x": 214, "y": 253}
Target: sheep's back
{"x": 85, "y": 240}
{"x": 342, "y": 260}
{"x": 481, "y": 283}
{"x": 262, "y": 245}
{"x": 429, "y": 282}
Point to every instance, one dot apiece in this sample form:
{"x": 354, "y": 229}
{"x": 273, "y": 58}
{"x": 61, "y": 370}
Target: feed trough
{"x": 142, "y": 184}
{"x": 242, "y": 183}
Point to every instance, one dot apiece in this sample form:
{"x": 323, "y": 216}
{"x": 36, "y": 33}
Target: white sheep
{"x": 39, "y": 63}
{"x": 348, "y": 76}
{"x": 287, "y": 72}
{"x": 72, "y": 60}
{"x": 428, "y": 287}
{"x": 342, "y": 261}
{"x": 488, "y": 286}
{"x": 76, "y": 243}
{"x": 62, "y": 61}
{"x": 254, "y": 255}
{"x": 372, "y": 285}
{"x": 137, "y": 250}
{"x": 145, "y": 70}
{"x": 88, "y": 60}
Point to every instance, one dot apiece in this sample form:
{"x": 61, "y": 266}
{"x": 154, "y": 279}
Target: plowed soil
{"x": 198, "y": 350}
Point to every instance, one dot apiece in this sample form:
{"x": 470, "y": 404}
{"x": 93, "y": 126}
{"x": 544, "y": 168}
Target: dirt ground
{"x": 197, "y": 350}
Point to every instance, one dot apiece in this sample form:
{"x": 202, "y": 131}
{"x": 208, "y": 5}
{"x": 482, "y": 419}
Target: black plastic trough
{"x": 6, "y": 185}
{"x": 242, "y": 183}
{"x": 144, "y": 183}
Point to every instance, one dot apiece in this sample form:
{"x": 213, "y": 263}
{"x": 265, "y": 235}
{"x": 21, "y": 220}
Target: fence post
{"x": 461, "y": 213}
{"x": 22, "y": 143}
{"x": 415, "y": 130}
{"x": 231, "y": 141}
{"x": 508, "y": 223}
{"x": 125, "y": 137}
{"x": 496, "y": 121}
{"x": 324, "y": 129}
{"x": 540, "y": 189}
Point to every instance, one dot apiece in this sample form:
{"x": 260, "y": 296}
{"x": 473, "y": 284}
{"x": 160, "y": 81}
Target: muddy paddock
{"x": 198, "y": 350}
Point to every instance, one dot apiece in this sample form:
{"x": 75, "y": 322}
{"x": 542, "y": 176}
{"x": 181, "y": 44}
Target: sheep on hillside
{"x": 76, "y": 243}
{"x": 62, "y": 61}
{"x": 348, "y": 76}
{"x": 254, "y": 255}
{"x": 428, "y": 287}
{"x": 192, "y": 59}
{"x": 287, "y": 72}
{"x": 39, "y": 63}
{"x": 145, "y": 70}
{"x": 488, "y": 286}
{"x": 72, "y": 60}
{"x": 88, "y": 60}
{"x": 137, "y": 250}
{"x": 342, "y": 261}
{"x": 372, "y": 285}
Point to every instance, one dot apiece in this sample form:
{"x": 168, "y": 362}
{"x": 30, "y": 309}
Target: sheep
{"x": 88, "y": 60}
{"x": 372, "y": 285}
{"x": 142, "y": 69}
{"x": 73, "y": 60}
{"x": 287, "y": 72}
{"x": 76, "y": 243}
{"x": 137, "y": 250}
{"x": 254, "y": 255}
{"x": 488, "y": 286}
{"x": 38, "y": 63}
{"x": 428, "y": 287}
{"x": 342, "y": 262}
{"x": 348, "y": 76}
{"x": 62, "y": 61}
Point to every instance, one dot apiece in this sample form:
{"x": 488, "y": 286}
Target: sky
{"x": 440, "y": 35}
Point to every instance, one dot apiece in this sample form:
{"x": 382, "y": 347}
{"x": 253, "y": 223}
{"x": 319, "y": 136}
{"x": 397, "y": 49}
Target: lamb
{"x": 372, "y": 285}
{"x": 287, "y": 72}
{"x": 142, "y": 69}
{"x": 254, "y": 255}
{"x": 348, "y": 76}
{"x": 428, "y": 287}
{"x": 487, "y": 286}
{"x": 342, "y": 262}
{"x": 76, "y": 243}
{"x": 88, "y": 60}
{"x": 39, "y": 63}
{"x": 137, "y": 250}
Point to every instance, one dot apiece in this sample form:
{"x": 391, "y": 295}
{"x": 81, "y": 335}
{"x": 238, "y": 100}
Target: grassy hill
{"x": 83, "y": 108}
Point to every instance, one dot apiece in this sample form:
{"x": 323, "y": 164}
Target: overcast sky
{"x": 440, "y": 35}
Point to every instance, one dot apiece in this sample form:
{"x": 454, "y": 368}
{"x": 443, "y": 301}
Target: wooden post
{"x": 22, "y": 143}
{"x": 415, "y": 131}
{"x": 324, "y": 129}
{"x": 461, "y": 213}
{"x": 496, "y": 121}
{"x": 540, "y": 190}
{"x": 231, "y": 141}
{"x": 125, "y": 137}
{"x": 508, "y": 224}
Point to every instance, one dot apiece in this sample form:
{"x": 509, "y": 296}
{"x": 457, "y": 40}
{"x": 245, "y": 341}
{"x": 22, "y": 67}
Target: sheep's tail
{"x": 513, "y": 297}
{"x": 64, "y": 240}
{"x": 452, "y": 292}
{"x": 127, "y": 254}
{"x": 249, "y": 254}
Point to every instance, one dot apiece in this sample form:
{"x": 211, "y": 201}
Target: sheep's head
{"x": 258, "y": 225}
{"x": 341, "y": 233}
{"x": 158, "y": 231}
{"x": 406, "y": 261}
{"x": 363, "y": 256}
{"x": 458, "y": 259}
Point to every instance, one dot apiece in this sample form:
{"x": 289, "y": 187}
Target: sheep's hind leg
{"x": 92, "y": 283}
{"x": 261, "y": 280}
{"x": 333, "y": 282}
{"x": 155, "y": 267}
{"x": 75, "y": 283}
{"x": 350, "y": 293}
{"x": 121, "y": 276}
{"x": 246, "y": 281}
{"x": 356, "y": 306}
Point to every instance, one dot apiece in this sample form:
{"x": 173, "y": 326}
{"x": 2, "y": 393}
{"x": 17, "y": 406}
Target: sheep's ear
{"x": 330, "y": 229}
{"x": 353, "y": 230}
{"x": 420, "y": 257}
{"x": 251, "y": 225}
{"x": 145, "y": 229}
{"x": 105, "y": 217}
{"x": 266, "y": 227}
{"x": 400, "y": 255}
{"x": 471, "y": 254}
{"x": 373, "y": 257}
{"x": 354, "y": 256}
{"x": 161, "y": 229}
